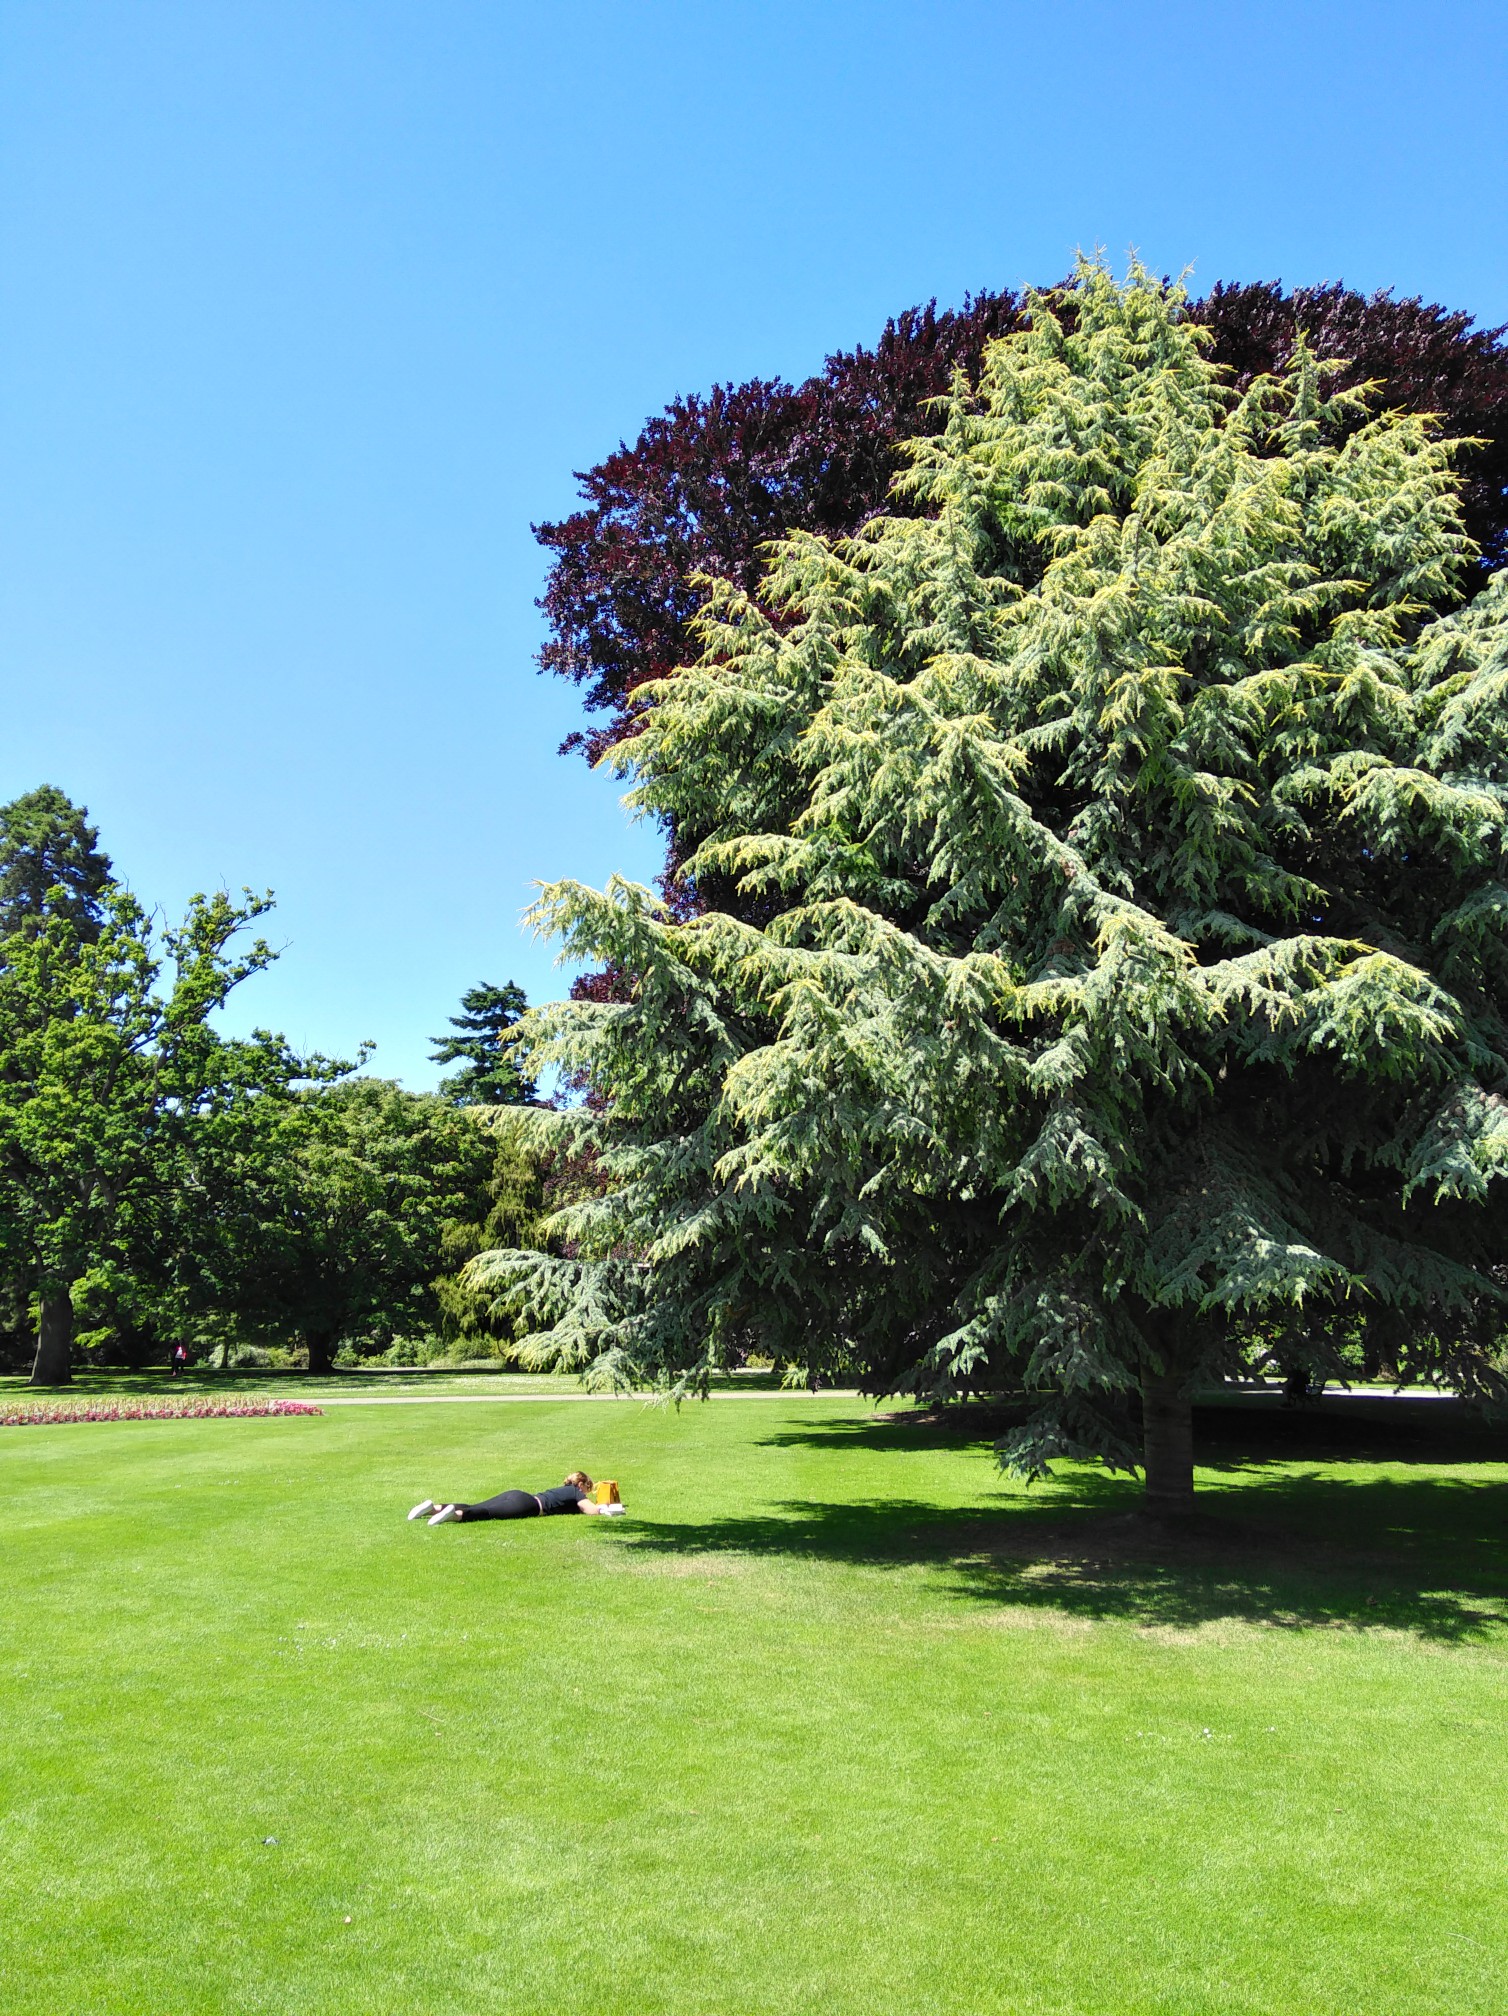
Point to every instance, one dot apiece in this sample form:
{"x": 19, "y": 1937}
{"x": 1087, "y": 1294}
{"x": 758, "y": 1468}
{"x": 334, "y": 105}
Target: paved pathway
{"x": 1213, "y": 1397}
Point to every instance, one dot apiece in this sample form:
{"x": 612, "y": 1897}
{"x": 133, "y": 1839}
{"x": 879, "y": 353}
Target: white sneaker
{"x": 444, "y": 1516}
{"x": 420, "y": 1510}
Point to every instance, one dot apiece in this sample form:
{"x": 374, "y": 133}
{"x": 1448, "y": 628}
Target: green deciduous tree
{"x": 1119, "y": 954}
{"x": 103, "y": 1073}
{"x": 510, "y": 1213}
{"x": 329, "y": 1210}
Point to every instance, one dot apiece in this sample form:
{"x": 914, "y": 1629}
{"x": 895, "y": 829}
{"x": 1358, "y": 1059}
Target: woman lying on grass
{"x": 572, "y": 1496}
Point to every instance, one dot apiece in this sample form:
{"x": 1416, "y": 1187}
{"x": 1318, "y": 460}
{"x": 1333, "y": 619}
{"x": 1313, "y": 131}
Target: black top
{"x": 564, "y": 1498}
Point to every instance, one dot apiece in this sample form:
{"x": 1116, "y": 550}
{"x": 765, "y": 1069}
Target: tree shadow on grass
{"x": 1292, "y": 1548}
{"x": 1357, "y": 1427}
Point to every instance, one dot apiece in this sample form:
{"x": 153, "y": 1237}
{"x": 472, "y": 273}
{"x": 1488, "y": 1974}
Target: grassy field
{"x": 833, "y": 1722}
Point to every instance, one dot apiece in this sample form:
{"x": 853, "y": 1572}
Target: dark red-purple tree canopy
{"x": 717, "y": 474}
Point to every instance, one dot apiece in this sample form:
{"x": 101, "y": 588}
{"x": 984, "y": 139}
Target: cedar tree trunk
{"x": 1167, "y": 1442}
{"x": 53, "y": 1365}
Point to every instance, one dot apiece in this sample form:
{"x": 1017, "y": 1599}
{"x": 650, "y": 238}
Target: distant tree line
{"x": 162, "y": 1182}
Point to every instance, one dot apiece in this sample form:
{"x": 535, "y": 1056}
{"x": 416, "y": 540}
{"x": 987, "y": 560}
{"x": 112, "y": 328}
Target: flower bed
{"x": 39, "y": 1413}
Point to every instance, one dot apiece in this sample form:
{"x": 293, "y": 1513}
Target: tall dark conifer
{"x": 489, "y": 1074}
{"x": 51, "y": 862}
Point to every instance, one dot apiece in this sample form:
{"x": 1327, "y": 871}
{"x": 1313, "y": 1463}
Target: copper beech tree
{"x": 1116, "y": 956}
{"x": 714, "y": 476}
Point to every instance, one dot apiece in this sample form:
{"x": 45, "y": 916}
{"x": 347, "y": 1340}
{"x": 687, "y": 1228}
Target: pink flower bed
{"x": 38, "y": 1413}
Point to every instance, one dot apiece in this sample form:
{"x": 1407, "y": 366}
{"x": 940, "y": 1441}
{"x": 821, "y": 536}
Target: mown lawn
{"x": 832, "y": 1722}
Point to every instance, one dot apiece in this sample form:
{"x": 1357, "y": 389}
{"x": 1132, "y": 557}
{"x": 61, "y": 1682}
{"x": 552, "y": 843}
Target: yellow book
{"x": 607, "y": 1493}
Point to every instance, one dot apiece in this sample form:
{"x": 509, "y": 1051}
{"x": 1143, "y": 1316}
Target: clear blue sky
{"x": 307, "y": 309}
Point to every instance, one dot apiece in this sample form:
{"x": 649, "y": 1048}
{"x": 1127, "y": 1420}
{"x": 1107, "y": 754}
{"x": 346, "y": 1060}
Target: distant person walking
{"x": 180, "y": 1358}
{"x": 575, "y": 1495}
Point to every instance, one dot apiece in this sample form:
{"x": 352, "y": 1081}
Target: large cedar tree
{"x": 1117, "y": 958}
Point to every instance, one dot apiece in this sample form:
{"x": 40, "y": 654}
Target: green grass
{"x": 833, "y": 1722}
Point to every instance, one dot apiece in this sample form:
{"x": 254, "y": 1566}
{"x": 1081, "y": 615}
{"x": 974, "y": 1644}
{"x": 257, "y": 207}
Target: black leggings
{"x": 506, "y": 1505}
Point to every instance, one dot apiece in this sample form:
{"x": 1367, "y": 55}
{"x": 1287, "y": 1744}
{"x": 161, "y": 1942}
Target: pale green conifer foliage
{"x": 1106, "y": 942}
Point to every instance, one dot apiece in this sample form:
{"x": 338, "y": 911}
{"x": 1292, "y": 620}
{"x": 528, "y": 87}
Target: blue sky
{"x": 306, "y": 310}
